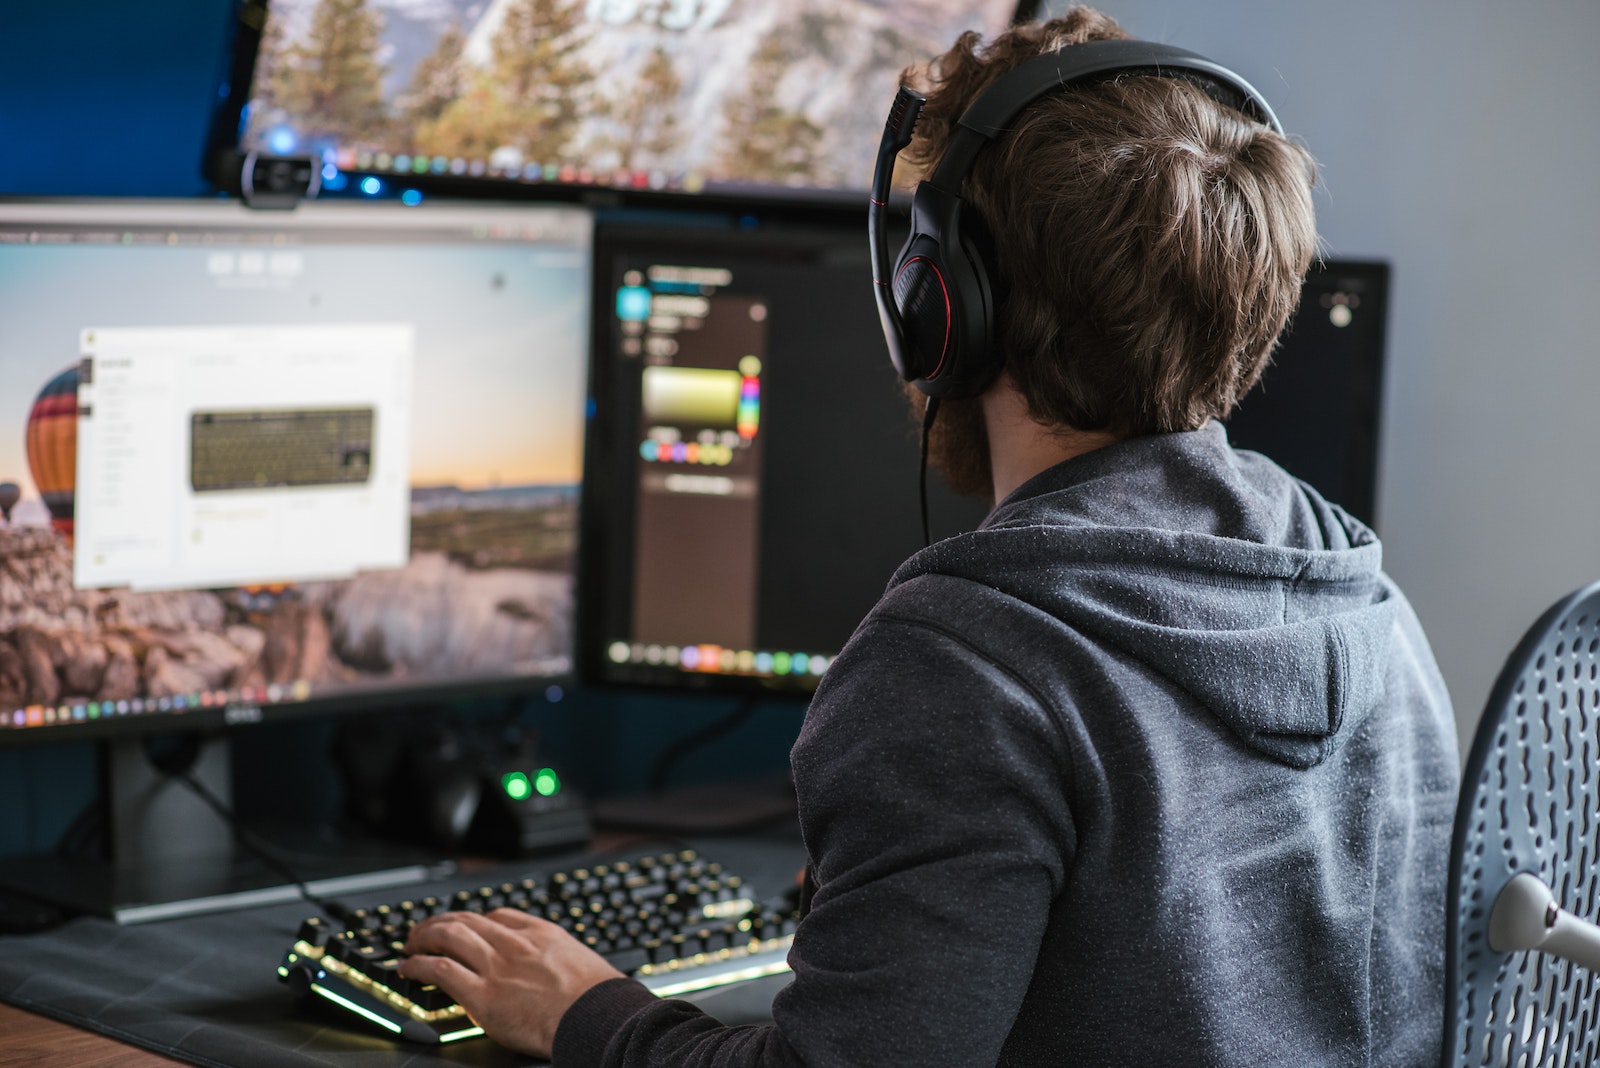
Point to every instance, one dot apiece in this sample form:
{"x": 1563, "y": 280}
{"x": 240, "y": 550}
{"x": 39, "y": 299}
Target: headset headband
{"x": 990, "y": 115}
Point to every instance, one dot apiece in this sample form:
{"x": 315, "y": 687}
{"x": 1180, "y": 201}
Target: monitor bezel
{"x": 236, "y": 77}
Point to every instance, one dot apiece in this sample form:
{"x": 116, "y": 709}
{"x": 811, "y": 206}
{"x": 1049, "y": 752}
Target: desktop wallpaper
{"x": 664, "y": 93}
{"x": 496, "y": 439}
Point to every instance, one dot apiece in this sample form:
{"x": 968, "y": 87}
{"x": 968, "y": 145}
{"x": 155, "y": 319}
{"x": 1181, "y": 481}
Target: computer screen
{"x": 255, "y": 462}
{"x": 753, "y": 469}
{"x": 696, "y": 96}
{"x": 753, "y": 475}
{"x": 1318, "y": 405}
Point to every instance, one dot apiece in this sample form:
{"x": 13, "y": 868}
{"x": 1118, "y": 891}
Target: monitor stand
{"x": 172, "y": 855}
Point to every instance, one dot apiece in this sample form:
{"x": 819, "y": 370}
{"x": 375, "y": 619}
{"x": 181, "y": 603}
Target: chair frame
{"x": 1530, "y": 805}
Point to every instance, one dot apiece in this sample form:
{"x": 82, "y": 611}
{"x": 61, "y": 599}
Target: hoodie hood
{"x": 1246, "y": 589}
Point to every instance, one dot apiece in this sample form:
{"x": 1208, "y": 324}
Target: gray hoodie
{"x": 1155, "y": 767}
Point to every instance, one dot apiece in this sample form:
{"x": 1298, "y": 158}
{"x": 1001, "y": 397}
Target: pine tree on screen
{"x": 762, "y": 140}
{"x": 532, "y": 94}
{"x": 472, "y": 126}
{"x": 539, "y": 65}
{"x": 648, "y": 114}
{"x": 269, "y": 67}
{"x": 332, "y": 81}
{"x": 438, "y": 80}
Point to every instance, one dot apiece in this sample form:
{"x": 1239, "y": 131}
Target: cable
{"x": 247, "y": 838}
{"x": 661, "y": 771}
{"x": 85, "y": 836}
{"x": 929, "y": 413}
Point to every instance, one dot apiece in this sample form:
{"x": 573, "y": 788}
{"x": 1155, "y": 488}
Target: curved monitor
{"x": 694, "y": 96}
{"x": 258, "y": 462}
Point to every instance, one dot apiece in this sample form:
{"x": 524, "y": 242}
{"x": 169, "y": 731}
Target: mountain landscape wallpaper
{"x": 758, "y": 92}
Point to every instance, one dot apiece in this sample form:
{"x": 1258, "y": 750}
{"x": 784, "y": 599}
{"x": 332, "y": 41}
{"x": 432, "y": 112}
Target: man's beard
{"x": 958, "y": 443}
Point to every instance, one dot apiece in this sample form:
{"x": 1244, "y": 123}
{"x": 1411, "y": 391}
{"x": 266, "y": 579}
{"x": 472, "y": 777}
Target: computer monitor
{"x": 254, "y": 463}
{"x": 753, "y": 462}
{"x": 685, "y": 96}
{"x": 257, "y": 464}
{"x": 1318, "y": 406}
{"x": 753, "y": 466}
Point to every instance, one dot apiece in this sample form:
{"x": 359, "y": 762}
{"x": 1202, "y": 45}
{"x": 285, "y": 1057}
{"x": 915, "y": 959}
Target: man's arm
{"x": 933, "y": 793}
{"x": 933, "y": 798}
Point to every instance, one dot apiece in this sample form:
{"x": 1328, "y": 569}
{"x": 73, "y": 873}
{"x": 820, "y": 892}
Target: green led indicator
{"x": 780, "y": 663}
{"x": 516, "y": 785}
{"x": 547, "y": 782}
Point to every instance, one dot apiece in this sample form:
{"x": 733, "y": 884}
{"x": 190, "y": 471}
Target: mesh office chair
{"x": 1521, "y": 971}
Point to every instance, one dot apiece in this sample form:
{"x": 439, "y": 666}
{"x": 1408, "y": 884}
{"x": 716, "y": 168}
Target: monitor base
{"x": 167, "y": 852}
{"x": 189, "y": 886}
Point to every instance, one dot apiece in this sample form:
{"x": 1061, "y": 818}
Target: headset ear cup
{"x": 943, "y": 294}
{"x": 968, "y": 364}
{"x": 922, "y": 294}
{"x": 981, "y": 358}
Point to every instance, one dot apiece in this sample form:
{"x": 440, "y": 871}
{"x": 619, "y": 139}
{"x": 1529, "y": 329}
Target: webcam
{"x": 280, "y": 182}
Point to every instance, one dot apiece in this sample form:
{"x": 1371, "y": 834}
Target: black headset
{"x": 937, "y": 303}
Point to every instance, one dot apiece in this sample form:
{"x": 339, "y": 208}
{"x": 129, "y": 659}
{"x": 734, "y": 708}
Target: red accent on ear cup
{"x": 925, "y": 309}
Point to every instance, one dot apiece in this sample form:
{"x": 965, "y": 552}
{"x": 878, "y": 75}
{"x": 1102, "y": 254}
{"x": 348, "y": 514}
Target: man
{"x": 1156, "y": 766}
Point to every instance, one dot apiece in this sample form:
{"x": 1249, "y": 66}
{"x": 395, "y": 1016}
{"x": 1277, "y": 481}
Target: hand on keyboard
{"x": 515, "y": 974}
{"x": 672, "y": 921}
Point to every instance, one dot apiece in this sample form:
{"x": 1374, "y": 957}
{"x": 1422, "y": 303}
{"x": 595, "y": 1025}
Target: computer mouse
{"x": 453, "y": 801}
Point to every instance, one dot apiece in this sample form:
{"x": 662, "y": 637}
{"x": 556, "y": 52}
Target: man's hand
{"x": 515, "y": 974}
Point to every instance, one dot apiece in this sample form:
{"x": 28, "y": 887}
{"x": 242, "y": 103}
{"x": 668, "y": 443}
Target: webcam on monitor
{"x": 264, "y": 180}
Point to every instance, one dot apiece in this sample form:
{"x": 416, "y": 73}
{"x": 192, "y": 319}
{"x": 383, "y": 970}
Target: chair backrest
{"x": 1530, "y": 802}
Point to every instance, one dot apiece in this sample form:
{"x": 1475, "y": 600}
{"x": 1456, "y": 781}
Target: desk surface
{"x": 31, "y": 1039}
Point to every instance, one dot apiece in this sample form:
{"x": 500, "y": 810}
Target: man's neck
{"x": 1021, "y": 446}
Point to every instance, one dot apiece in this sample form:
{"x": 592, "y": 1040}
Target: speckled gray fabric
{"x": 1156, "y": 767}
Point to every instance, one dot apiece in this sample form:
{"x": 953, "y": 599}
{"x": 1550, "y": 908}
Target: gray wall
{"x": 1460, "y": 141}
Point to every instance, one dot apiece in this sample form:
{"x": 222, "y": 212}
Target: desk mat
{"x": 205, "y": 989}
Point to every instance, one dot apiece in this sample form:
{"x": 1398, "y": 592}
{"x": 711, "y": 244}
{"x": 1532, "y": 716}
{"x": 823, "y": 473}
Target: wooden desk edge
{"x": 26, "y": 1038}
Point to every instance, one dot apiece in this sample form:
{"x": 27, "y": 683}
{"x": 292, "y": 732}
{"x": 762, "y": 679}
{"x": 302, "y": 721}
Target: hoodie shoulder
{"x": 1208, "y": 570}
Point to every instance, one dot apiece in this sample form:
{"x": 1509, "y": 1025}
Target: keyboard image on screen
{"x": 269, "y": 449}
{"x": 673, "y": 921}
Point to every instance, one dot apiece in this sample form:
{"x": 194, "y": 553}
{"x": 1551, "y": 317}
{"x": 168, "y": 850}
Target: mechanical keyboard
{"x": 673, "y": 921}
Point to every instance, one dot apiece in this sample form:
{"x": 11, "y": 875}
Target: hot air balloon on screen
{"x": 10, "y": 494}
{"x": 53, "y": 446}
